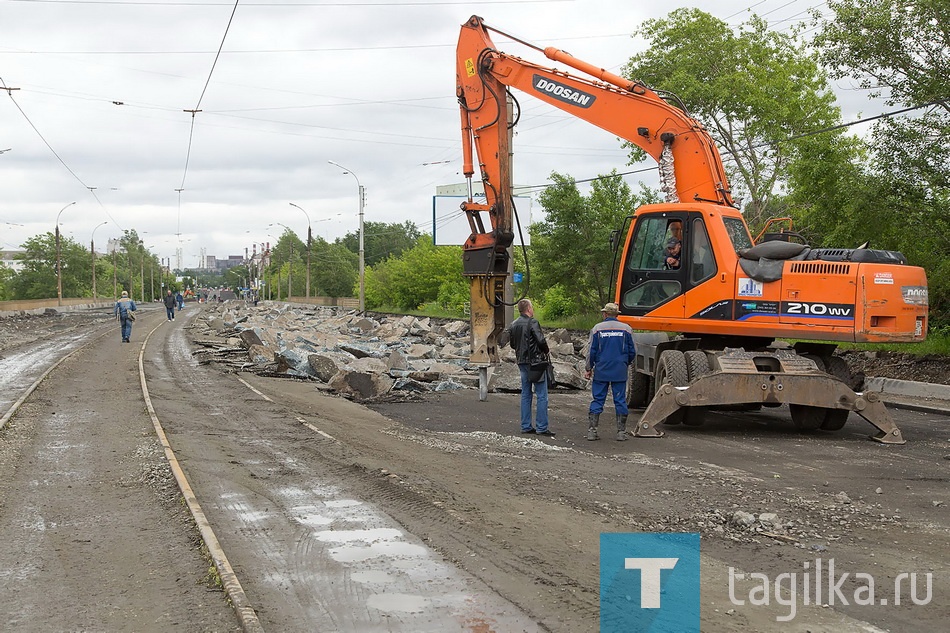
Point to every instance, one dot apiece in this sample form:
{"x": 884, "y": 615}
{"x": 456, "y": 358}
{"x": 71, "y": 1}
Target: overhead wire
{"x": 196, "y": 109}
{"x": 69, "y": 169}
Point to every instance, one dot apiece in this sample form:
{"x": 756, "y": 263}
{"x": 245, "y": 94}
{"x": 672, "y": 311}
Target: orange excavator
{"x": 729, "y": 298}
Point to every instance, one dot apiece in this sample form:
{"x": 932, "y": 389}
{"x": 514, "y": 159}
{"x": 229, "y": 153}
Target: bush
{"x": 556, "y": 304}
{"x": 453, "y": 295}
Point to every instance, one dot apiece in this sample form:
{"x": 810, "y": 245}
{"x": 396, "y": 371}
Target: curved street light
{"x": 309, "y": 239}
{"x": 92, "y": 249}
{"x": 59, "y": 270}
{"x": 362, "y": 264}
{"x": 290, "y": 260}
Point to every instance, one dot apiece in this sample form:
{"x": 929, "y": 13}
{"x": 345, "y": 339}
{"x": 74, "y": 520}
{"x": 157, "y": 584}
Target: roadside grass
{"x": 937, "y": 343}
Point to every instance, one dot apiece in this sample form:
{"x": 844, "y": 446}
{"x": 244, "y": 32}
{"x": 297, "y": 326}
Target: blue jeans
{"x": 126, "y": 329}
{"x": 599, "y": 391}
{"x": 170, "y": 313}
{"x": 541, "y": 391}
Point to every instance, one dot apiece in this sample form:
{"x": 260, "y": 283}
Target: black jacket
{"x": 169, "y": 301}
{"x": 528, "y": 341}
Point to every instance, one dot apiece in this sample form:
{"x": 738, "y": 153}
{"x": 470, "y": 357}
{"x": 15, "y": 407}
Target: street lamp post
{"x": 142, "y": 268}
{"x": 59, "y": 270}
{"x": 290, "y": 264}
{"x": 309, "y": 240}
{"x": 278, "y": 268}
{"x": 92, "y": 249}
{"x": 362, "y": 263}
{"x": 151, "y": 273}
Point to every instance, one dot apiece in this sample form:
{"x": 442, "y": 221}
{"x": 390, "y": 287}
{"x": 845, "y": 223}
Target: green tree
{"x": 900, "y": 50}
{"x": 570, "y": 247}
{"x": 335, "y": 269}
{"x": 416, "y": 277}
{"x": 37, "y": 279}
{"x": 287, "y": 256}
{"x": 6, "y": 280}
{"x": 753, "y": 88}
{"x": 382, "y": 240}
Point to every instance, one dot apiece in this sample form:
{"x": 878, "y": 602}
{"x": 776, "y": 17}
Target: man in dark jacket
{"x": 530, "y": 349}
{"x": 170, "y": 302}
{"x": 611, "y": 352}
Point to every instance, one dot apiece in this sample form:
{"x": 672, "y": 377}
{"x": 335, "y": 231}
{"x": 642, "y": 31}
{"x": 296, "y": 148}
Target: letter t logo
{"x": 650, "y": 569}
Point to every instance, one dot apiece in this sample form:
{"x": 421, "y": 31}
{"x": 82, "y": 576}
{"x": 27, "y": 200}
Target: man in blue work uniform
{"x": 611, "y": 352}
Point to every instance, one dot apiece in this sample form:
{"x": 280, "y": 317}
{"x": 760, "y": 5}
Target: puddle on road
{"x": 391, "y": 602}
{"x": 359, "y": 571}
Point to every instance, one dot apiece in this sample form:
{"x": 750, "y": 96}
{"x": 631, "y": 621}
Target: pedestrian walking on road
{"x": 531, "y": 350}
{"x": 611, "y": 352}
{"x": 124, "y": 309}
{"x": 181, "y": 300}
{"x": 169, "y": 301}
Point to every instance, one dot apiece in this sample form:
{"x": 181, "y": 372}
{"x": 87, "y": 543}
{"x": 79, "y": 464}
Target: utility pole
{"x": 142, "y": 269}
{"x": 59, "y": 270}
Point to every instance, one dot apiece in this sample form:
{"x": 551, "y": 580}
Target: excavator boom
{"x": 483, "y": 76}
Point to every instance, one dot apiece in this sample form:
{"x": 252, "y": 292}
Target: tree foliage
{"x": 900, "y": 50}
{"x": 416, "y": 277}
{"x": 382, "y": 240}
{"x": 570, "y": 248}
{"x": 753, "y": 88}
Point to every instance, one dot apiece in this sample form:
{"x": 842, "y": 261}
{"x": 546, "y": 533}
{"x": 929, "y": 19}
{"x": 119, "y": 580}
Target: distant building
{"x": 211, "y": 262}
{"x": 7, "y": 258}
{"x": 231, "y": 262}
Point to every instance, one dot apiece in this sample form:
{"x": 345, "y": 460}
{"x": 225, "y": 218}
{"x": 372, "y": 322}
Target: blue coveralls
{"x": 611, "y": 352}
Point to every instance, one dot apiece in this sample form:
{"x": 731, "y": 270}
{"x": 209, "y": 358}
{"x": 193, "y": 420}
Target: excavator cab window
{"x": 649, "y": 244}
{"x": 649, "y": 281}
{"x": 702, "y": 262}
{"x": 738, "y": 233}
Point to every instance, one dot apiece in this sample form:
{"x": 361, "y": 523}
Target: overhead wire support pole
{"x": 362, "y": 271}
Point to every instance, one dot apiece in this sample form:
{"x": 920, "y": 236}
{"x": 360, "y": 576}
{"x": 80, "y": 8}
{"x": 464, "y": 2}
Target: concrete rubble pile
{"x": 367, "y": 357}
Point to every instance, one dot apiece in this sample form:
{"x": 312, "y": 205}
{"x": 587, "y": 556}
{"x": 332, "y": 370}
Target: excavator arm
{"x": 690, "y": 166}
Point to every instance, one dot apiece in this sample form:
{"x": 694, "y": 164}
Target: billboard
{"x": 450, "y": 226}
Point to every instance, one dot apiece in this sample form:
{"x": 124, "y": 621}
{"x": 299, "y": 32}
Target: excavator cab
{"x": 669, "y": 253}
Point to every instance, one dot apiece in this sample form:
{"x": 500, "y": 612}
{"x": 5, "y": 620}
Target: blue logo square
{"x": 649, "y": 582}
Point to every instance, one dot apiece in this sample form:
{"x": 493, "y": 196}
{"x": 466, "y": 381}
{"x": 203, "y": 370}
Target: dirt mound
{"x": 930, "y": 368}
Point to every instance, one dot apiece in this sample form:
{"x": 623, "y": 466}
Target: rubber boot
{"x": 592, "y": 420}
{"x": 621, "y": 428}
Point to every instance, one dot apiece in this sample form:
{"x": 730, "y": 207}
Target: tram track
{"x": 25, "y": 359}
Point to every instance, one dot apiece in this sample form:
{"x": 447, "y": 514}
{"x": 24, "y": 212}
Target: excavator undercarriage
{"x": 686, "y": 384}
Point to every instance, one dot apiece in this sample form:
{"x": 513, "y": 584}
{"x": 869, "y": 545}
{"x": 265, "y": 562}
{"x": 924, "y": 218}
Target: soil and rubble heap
{"x": 368, "y": 358}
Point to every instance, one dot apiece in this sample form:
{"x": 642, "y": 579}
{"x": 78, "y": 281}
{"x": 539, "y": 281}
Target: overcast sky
{"x": 100, "y": 117}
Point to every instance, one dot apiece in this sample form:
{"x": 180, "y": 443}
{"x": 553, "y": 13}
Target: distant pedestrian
{"x": 181, "y": 300}
{"x": 611, "y": 352}
{"x": 169, "y": 301}
{"x": 531, "y": 349}
{"x": 124, "y": 309}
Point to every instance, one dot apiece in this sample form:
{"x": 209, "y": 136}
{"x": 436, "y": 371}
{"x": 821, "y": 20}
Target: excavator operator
{"x": 674, "y": 249}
